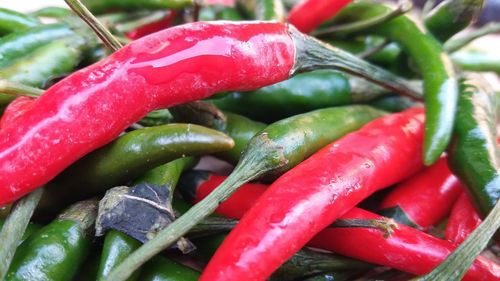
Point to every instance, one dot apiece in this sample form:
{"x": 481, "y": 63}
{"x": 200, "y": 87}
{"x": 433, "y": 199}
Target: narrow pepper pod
{"x": 462, "y": 220}
{"x": 410, "y": 246}
{"x": 12, "y": 21}
{"x": 196, "y": 185}
{"x": 407, "y": 249}
{"x": 117, "y": 246}
{"x": 309, "y": 14}
{"x": 440, "y": 83}
{"x": 50, "y": 61}
{"x": 57, "y": 250}
{"x": 131, "y": 155}
{"x": 452, "y": 16}
{"x": 316, "y": 192}
{"x": 301, "y": 93}
{"x": 424, "y": 199}
{"x": 18, "y": 44}
{"x": 239, "y": 128}
{"x": 474, "y": 154}
{"x": 199, "y": 60}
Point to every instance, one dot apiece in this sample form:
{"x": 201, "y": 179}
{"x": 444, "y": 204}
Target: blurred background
{"x": 490, "y": 13}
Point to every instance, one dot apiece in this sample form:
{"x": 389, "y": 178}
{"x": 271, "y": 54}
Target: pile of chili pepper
{"x": 248, "y": 140}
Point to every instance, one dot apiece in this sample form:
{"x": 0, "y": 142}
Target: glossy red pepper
{"x": 92, "y": 106}
{"x": 242, "y": 199}
{"x": 425, "y": 198}
{"x": 152, "y": 27}
{"x": 462, "y": 221}
{"x": 407, "y": 249}
{"x": 309, "y": 14}
{"x": 312, "y": 195}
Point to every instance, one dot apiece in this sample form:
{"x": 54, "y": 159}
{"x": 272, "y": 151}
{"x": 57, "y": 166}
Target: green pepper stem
{"x": 453, "y": 45}
{"x": 339, "y": 30}
{"x": 266, "y": 157}
{"x": 313, "y": 54}
{"x": 457, "y": 263}
{"x": 18, "y": 89}
{"x": 14, "y": 228}
{"x": 94, "y": 23}
{"x": 385, "y": 225}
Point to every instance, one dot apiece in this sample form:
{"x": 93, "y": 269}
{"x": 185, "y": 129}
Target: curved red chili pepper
{"x": 239, "y": 202}
{"x": 147, "y": 29}
{"x": 407, "y": 249}
{"x": 15, "y": 109}
{"x": 312, "y": 195}
{"x": 92, "y": 106}
{"x": 462, "y": 221}
{"x": 427, "y": 197}
{"x": 309, "y": 14}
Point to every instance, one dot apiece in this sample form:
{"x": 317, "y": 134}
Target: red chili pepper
{"x": 316, "y": 192}
{"x": 244, "y": 198}
{"x": 309, "y": 14}
{"x": 92, "y": 106}
{"x": 152, "y": 27}
{"x": 462, "y": 221}
{"x": 15, "y": 109}
{"x": 425, "y": 198}
{"x": 407, "y": 249}
{"x": 188, "y": 62}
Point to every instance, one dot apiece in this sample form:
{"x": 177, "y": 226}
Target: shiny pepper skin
{"x": 462, "y": 221}
{"x": 94, "y": 105}
{"x": 425, "y": 198}
{"x": 312, "y": 195}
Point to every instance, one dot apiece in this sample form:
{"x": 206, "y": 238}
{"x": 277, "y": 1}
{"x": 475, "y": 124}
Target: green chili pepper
{"x": 157, "y": 118}
{"x": 57, "y": 250}
{"x": 163, "y": 269}
{"x": 474, "y": 60}
{"x": 52, "y": 12}
{"x": 304, "y": 263}
{"x": 393, "y": 103}
{"x": 12, "y": 21}
{"x": 440, "y": 83}
{"x": 18, "y": 44}
{"x": 117, "y": 245}
{"x": 302, "y": 93}
{"x": 384, "y": 57}
{"x": 474, "y": 153}
{"x": 101, "y": 6}
{"x": 52, "y": 60}
{"x": 128, "y": 157}
{"x": 299, "y": 136}
{"x": 239, "y": 128}
{"x": 452, "y": 16}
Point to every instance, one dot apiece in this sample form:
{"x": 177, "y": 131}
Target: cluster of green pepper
{"x": 319, "y": 106}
